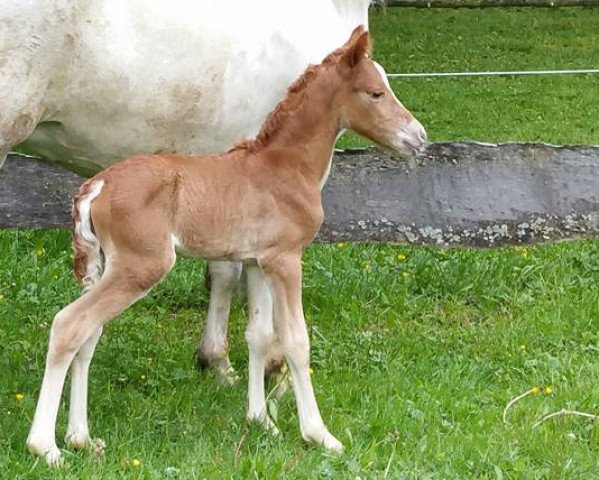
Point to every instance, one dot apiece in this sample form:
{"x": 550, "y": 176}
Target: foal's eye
{"x": 377, "y": 95}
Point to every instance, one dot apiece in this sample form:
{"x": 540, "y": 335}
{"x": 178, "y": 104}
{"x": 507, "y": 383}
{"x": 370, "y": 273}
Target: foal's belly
{"x": 232, "y": 248}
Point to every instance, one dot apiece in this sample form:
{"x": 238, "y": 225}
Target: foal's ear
{"x": 358, "y": 46}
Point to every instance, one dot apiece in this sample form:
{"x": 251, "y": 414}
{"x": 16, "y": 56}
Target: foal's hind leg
{"x": 212, "y": 350}
{"x": 77, "y": 435}
{"x": 73, "y": 328}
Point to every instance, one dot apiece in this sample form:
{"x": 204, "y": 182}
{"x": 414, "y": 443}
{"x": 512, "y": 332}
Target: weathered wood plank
{"x": 454, "y": 194}
{"x": 465, "y": 194}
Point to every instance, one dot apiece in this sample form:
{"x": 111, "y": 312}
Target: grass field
{"x": 416, "y": 351}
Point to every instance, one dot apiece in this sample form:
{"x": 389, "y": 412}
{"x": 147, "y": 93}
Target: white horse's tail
{"x": 88, "y": 258}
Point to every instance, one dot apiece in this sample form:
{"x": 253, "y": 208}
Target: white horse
{"x": 84, "y": 83}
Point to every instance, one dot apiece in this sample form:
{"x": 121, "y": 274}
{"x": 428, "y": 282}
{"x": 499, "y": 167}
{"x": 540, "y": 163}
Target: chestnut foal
{"x": 259, "y": 203}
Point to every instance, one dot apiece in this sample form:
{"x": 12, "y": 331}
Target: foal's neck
{"x": 310, "y": 130}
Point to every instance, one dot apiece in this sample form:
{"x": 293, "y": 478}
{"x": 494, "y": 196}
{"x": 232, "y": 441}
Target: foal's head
{"x": 369, "y": 106}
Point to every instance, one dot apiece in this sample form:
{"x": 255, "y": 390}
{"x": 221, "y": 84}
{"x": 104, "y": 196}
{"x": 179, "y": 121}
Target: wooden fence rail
{"x": 469, "y": 194}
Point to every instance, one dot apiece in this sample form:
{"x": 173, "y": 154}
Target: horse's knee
{"x": 259, "y": 338}
{"x": 65, "y": 335}
{"x": 296, "y": 347}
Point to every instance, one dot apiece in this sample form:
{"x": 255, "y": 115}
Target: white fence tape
{"x": 489, "y": 74}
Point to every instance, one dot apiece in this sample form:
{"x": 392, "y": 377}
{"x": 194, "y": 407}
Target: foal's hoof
{"x": 78, "y": 440}
{"x": 324, "y": 438}
{"x": 265, "y": 422}
{"x": 222, "y": 367}
{"x": 227, "y": 377}
{"x": 332, "y": 444}
{"x": 51, "y": 454}
{"x": 54, "y": 458}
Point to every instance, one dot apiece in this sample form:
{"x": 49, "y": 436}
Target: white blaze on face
{"x": 411, "y": 137}
{"x": 383, "y": 75}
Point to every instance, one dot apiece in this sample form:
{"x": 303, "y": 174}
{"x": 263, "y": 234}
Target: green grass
{"x": 420, "y": 364}
{"x": 414, "y": 359}
{"x": 555, "y": 109}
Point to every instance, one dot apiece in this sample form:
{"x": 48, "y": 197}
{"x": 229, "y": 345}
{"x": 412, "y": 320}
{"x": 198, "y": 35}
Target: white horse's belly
{"x": 185, "y": 76}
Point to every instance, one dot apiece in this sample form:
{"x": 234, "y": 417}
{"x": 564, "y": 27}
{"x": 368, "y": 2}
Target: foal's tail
{"x": 88, "y": 258}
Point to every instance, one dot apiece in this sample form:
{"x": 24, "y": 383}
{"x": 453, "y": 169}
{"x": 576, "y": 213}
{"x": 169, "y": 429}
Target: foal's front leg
{"x": 284, "y": 273}
{"x": 262, "y": 341}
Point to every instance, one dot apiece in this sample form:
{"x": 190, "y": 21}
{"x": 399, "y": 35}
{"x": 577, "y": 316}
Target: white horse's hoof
{"x": 78, "y": 439}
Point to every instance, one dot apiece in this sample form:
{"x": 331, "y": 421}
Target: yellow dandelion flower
{"x": 55, "y": 277}
{"x": 72, "y": 256}
{"x": 522, "y": 347}
{"x": 135, "y": 463}
{"x": 311, "y": 371}
{"x": 535, "y": 390}
{"x": 548, "y": 390}
{"x": 39, "y": 252}
{"x": 19, "y": 396}
{"x": 401, "y": 257}
{"x": 2, "y": 297}
{"x": 367, "y": 266}
{"x": 341, "y": 245}
{"x": 405, "y": 274}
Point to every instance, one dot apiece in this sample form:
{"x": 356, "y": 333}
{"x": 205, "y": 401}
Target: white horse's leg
{"x": 21, "y": 102}
{"x": 285, "y": 277}
{"x": 16, "y": 130}
{"x": 212, "y": 350}
{"x": 261, "y": 339}
{"x": 3, "y": 154}
{"x": 77, "y": 435}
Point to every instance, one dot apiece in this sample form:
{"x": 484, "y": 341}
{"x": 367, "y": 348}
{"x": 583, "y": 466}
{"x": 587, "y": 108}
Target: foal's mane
{"x": 294, "y": 98}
